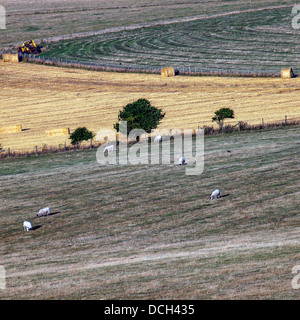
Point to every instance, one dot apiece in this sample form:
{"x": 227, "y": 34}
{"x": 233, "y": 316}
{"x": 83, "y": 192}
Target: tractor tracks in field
{"x": 166, "y": 253}
{"x": 155, "y": 24}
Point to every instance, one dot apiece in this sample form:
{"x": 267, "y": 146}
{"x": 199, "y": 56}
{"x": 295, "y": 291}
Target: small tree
{"x": 140, "y": 115}
{"x": 221, "y": 114}
{"x": 79, "y": 135}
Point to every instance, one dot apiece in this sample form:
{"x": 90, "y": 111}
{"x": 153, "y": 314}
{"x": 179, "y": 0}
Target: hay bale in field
{"x": 11, "y": 129}
{"x": 168, "y": 72}
{"x": 287, "y": 73}
{"x": 9, "y": 57}
{"x": 14, "y": 58}
{"x": 58, "y": 132}
{"x": 6, "y": 57}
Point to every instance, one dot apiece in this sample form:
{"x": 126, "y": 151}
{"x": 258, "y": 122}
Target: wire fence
{"x": 229, "y": 127}
{"x": 191, "y": 70}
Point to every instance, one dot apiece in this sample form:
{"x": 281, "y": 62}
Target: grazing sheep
{"x": 27, "y": 226}
{"x": 215, "y": 194}
{"x": 158, "y": 139}
{"x": 43, "y": 212}
{"x": 109, "y": 148}
{"x": 182, "y": 161}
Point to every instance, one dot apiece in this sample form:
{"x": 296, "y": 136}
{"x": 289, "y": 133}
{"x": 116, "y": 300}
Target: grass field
{"x": 151, "y": 232}
{"x": 42, "y": 98}
{"x": 255, "y": 40}
{"x": 27, "y": 19}
{"x": 205, "y": 34}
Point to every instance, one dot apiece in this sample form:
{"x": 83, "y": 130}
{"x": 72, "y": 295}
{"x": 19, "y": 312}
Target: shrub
{"x": 229, "y": 128}
{"x": 79, "y": 135}
{"x": 208, "y": 130}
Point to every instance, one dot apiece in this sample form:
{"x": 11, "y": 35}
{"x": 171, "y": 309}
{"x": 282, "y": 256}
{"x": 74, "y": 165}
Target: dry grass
{"x": 151, "y": 232}
{"x": 42, "y": 98}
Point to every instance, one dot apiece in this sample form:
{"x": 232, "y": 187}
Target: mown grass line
{"x": 237, "y": 42}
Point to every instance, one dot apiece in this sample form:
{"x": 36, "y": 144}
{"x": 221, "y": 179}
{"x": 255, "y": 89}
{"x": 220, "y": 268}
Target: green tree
{"x": 221, "y": 115}
{"x": 79, "y": 135}
{"x": 140, "y": 115}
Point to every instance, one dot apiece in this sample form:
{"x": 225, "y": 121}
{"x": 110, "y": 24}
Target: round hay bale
{"x": 14, "y": 58}
{"x": 287, "y": 73}
{"x": 168, "y": 72}
{"x": 8, "y": 57}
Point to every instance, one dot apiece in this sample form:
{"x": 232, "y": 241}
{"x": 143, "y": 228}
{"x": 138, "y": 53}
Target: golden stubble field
{"x": 42, "y": 98}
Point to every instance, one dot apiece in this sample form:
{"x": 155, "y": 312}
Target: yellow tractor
{"x": 29, "y": 47}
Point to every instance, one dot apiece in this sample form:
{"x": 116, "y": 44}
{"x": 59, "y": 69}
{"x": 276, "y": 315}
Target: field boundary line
{"x": 230, "y": 127}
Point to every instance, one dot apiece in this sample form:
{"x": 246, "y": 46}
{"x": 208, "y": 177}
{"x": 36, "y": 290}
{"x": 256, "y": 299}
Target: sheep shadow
{"x": 225, "y": 195}
{"x": 36, "y": 227}
{"x": 53, "y": 213}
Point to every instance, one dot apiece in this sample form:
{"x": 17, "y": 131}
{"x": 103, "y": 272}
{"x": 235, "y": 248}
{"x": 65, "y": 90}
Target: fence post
{"x": 65, "y": 147}
{"x": 8, "y": 152}
{"x": 91, "y": 143}
{"x": 285, "y": 120}
{"x": 239, "y": 126}
{"x": 36, "y": 152}
{"x": 262, "y": 123}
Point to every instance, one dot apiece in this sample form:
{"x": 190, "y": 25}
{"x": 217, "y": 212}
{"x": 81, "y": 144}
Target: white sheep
{"x": 43, "y": 212}
{"x": 158, "y": 139}
{"x": 181, "y": 161}
{"x": 215, "y": 194}
{"x": 27, "y": 226}
{"x": 109, "y": 148}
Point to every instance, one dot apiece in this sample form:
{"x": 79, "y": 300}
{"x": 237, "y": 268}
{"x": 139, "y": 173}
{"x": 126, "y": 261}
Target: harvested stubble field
{"x": 150, "y": 231}
{"x": 42, "y": 98}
